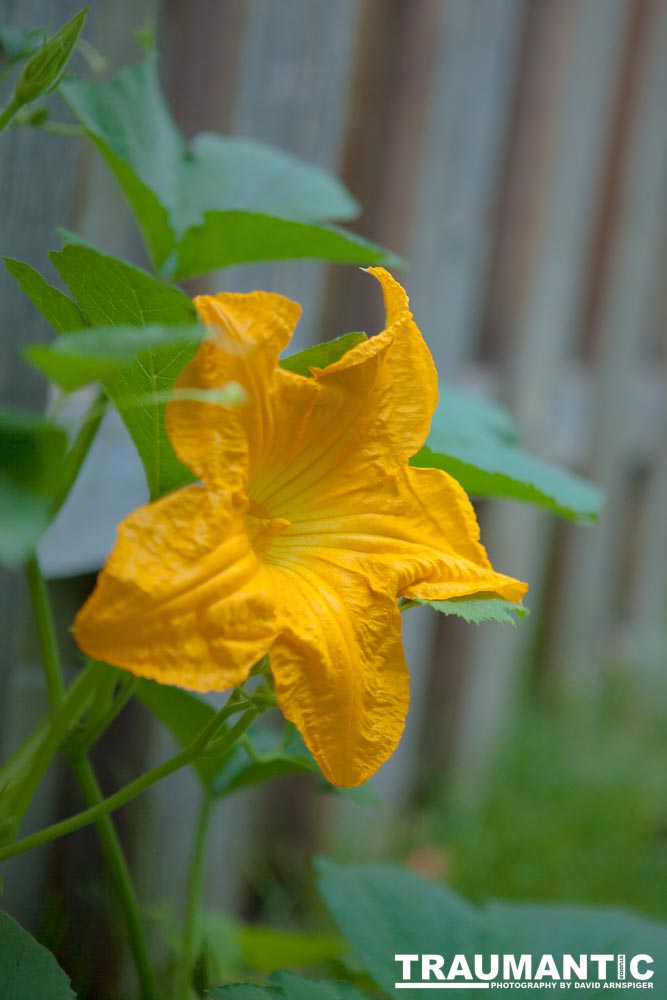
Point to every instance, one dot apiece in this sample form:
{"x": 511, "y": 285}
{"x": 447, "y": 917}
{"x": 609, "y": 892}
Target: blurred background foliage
{"x": 575, "y": 812}
{"x": 513, "y": 152}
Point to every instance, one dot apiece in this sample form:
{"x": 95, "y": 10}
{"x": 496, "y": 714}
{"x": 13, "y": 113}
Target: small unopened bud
{"x": 43, "y": 71}
{"x": 34, "y": 117}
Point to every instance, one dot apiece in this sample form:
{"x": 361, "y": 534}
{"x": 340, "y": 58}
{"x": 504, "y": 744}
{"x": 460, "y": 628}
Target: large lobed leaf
{"x": 385, "y": 910}
{"x": 56, "y": 307}
{"x": 137, "y": 368}
{"x": 478, "y": 444}
{"x": 226, "y": 174}
{"x": 27, "y": 970}
{"x": 285, "y": 985}
{"x": 218, "y": 200}
{"x": 226, "y": 238}
{"x": 112, "y": 292}
{"x": 103, "y": 353}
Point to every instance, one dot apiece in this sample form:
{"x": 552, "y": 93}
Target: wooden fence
{"x": 515, "y": 152}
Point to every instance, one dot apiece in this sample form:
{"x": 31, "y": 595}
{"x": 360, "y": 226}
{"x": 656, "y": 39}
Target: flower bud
{"x": 42, "y": 72}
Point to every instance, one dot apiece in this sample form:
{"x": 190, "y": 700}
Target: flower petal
{"x": 416, "y": 534}
{"x": 405, "y": 371}
{"x": 442, "y": 556}
{"x": 369, "y": 411}
{"x": 182, "y": 598}
{"x": 343, "y": 482}
{"x": 224, "y": 444}
{"x": 339, "y": 669}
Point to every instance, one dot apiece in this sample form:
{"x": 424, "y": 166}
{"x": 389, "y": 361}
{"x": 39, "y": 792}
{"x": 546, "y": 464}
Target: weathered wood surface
{"x": 580, "y": 73}
{"x": 592, "y": 603}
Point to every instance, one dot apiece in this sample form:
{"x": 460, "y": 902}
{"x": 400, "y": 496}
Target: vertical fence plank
{"x": 589, "y": 602}
{"x": 466, "y": 136}
{"x": 648, "y": 604}
{"x": 453, "y": 232}
{"x": 548, "y": 321}
{"x": 292, "y": 91}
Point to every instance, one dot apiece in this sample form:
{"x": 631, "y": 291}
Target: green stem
{"x": 46, "y": 632}
{"x": 97, "y": 63}
{"x": 135, "y": 788}
{"x": 62, "y": 128}
{"x": 21, "y": 775}
{"x": 85, "y": 776}
{"x": 55, "y": 128}
{"x": 191, "y": 933}
{"x": 9, "y": 112}
{"x": 120, "y": 877}
{"x": 77, "y": 453}
{"x": 82, "y": 746}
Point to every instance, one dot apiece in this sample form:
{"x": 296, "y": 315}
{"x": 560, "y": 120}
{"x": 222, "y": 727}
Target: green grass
{"x": 577, "y": 812}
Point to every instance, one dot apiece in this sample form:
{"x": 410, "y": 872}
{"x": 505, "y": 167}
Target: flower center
{"x": 261, "y": 527}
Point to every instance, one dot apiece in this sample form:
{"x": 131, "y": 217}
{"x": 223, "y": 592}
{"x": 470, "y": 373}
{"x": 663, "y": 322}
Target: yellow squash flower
{"x": 307, "y": 527}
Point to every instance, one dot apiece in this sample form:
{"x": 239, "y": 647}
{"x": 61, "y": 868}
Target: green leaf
{"x": 233, "y": 949}
{"x": 184, "y": 715}
{"x": 269, "y": 755}
{"x": 42, "y": 73}
{"x": 245, "y": 991}
{"x": 27, "y": 970}
{"x": 31, "y": 461}
{"x": 384, "y": 911}
{"x": 321, "y": 355}
{"x": 102, "y": 352}
{"x": 111, "y": 292}
{"x": 361, "y": 795}
{"x": 227, "y": 173}
{"x": 265, "y": 755}
{"x": 296, "y": 988}
{"x": 129, "y": 121}
{"x": 59, "y": 310}
{"x": 141, "y": 394}
{"x": 287, "y": 986}
{"x": 469, "y": 418}
{"x": 215, "y": 201}
{"x": 226, "y": 238}
{"x": 477, "y": 444}
{"x": 72, "y": 239}
{"x": 477, "y": 608}
{"x": 17, "y": 43}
